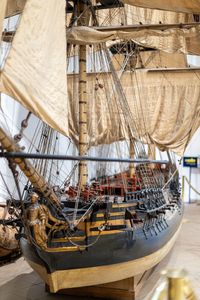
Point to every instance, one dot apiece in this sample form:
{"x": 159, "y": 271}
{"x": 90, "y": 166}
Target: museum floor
{"x": 19, "y": 282}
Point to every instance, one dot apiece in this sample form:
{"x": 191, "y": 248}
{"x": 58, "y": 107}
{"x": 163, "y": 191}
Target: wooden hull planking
{"x": 81, "y": 277}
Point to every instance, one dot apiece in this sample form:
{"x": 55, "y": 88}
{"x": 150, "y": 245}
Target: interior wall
{"x": 193, "y": 149}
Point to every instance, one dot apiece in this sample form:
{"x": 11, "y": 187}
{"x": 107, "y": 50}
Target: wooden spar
{"x": 192, "y": 69}
{"x": 78, "y": 158}
{"x": 147, "y": 26}
{"x": 28, "y": 169}
{"x": 83, "y": 132}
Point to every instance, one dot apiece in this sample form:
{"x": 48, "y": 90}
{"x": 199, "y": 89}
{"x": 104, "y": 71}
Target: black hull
{"x": 110, "y": 249}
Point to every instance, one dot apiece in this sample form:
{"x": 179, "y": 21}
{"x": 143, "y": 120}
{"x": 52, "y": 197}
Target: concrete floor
{"x": 19, "y": 282}
{"x": 185, "y": 254}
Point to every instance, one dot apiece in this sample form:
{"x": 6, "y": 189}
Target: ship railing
{"x": 156, "y": 209}
{"x": 136, "y": 195}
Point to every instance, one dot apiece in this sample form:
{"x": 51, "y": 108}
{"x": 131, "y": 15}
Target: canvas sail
{"x": 158, "y": 59}
{"x": 46, "y": 96}
{"x": 137, "y": 15}
{"x": 192, "y": 6}
{"x": 103, "y": 111}
{"x": 151, "y": 59}
{"x": 170, "y": 40}
{"x": 172, "y": 100}
{"x": 132, "y": 15}
{"x": 129, "y": 15}
{"x": 35, "y": 70}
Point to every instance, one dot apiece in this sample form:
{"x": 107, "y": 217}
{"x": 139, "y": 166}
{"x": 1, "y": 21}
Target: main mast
{"x": 83, "y": 130}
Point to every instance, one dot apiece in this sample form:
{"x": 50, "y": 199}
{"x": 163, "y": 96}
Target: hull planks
{"x": 121, "y": 251}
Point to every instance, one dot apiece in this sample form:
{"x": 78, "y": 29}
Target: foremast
{"x": 83, "y": 17}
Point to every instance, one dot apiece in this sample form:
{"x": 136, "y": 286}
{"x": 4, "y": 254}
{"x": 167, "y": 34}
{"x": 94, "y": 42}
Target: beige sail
{"x": 43, "y": 90}
{"x": 151, "y": 59}
{"x": 129, "y": 15}
{"x": 103, "y": 117}
{"x": 172, "y": 99}
{"x": 3, "y": 5}
{"x": 191, "y": 6}
{"x": 159, "y": 59}
{"x": 132, "y": 15}
{"x": 138, "y": 15}
{"x": 169, "y": 40}
{"x": 34, "y": 75}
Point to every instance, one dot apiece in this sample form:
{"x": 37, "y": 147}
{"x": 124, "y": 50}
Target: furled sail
{"x": 172, "y": 100}
{"x": 169, "y": 40}
{"x": 35, "y": 70}
{"x": 132, "y": 15}
{"x": 191, "y": 6}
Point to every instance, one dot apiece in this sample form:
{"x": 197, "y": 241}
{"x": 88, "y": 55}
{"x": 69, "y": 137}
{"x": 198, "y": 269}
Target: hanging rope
{"x": 190, "y": 185}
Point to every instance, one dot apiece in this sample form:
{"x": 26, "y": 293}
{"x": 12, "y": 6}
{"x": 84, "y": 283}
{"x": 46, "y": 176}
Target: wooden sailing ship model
{"x": 86, "y": 231}
{"x": 9, "y": 246}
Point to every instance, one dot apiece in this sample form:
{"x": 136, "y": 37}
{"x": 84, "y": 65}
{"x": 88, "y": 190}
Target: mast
{"x": 152, "y": 152}
{"x": 83, "y": 130}
{"x": 132, "y": 154}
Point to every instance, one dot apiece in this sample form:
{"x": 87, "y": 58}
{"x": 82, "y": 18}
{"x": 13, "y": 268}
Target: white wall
{"x": 193, "y": 149}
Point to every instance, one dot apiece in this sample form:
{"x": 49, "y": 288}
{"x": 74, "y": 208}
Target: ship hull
{"x": 114, "y": 257}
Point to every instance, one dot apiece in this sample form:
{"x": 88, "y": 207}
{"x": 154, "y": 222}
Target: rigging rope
{"x": 88, "y": 245}
{"x": 172, "y": 176}
{"x": 190, "y": 185}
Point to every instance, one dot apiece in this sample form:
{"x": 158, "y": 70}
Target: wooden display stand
{"x": 126, "y": 289}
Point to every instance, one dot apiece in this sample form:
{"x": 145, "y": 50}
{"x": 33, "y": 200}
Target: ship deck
{"x": 19, "y": 282}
